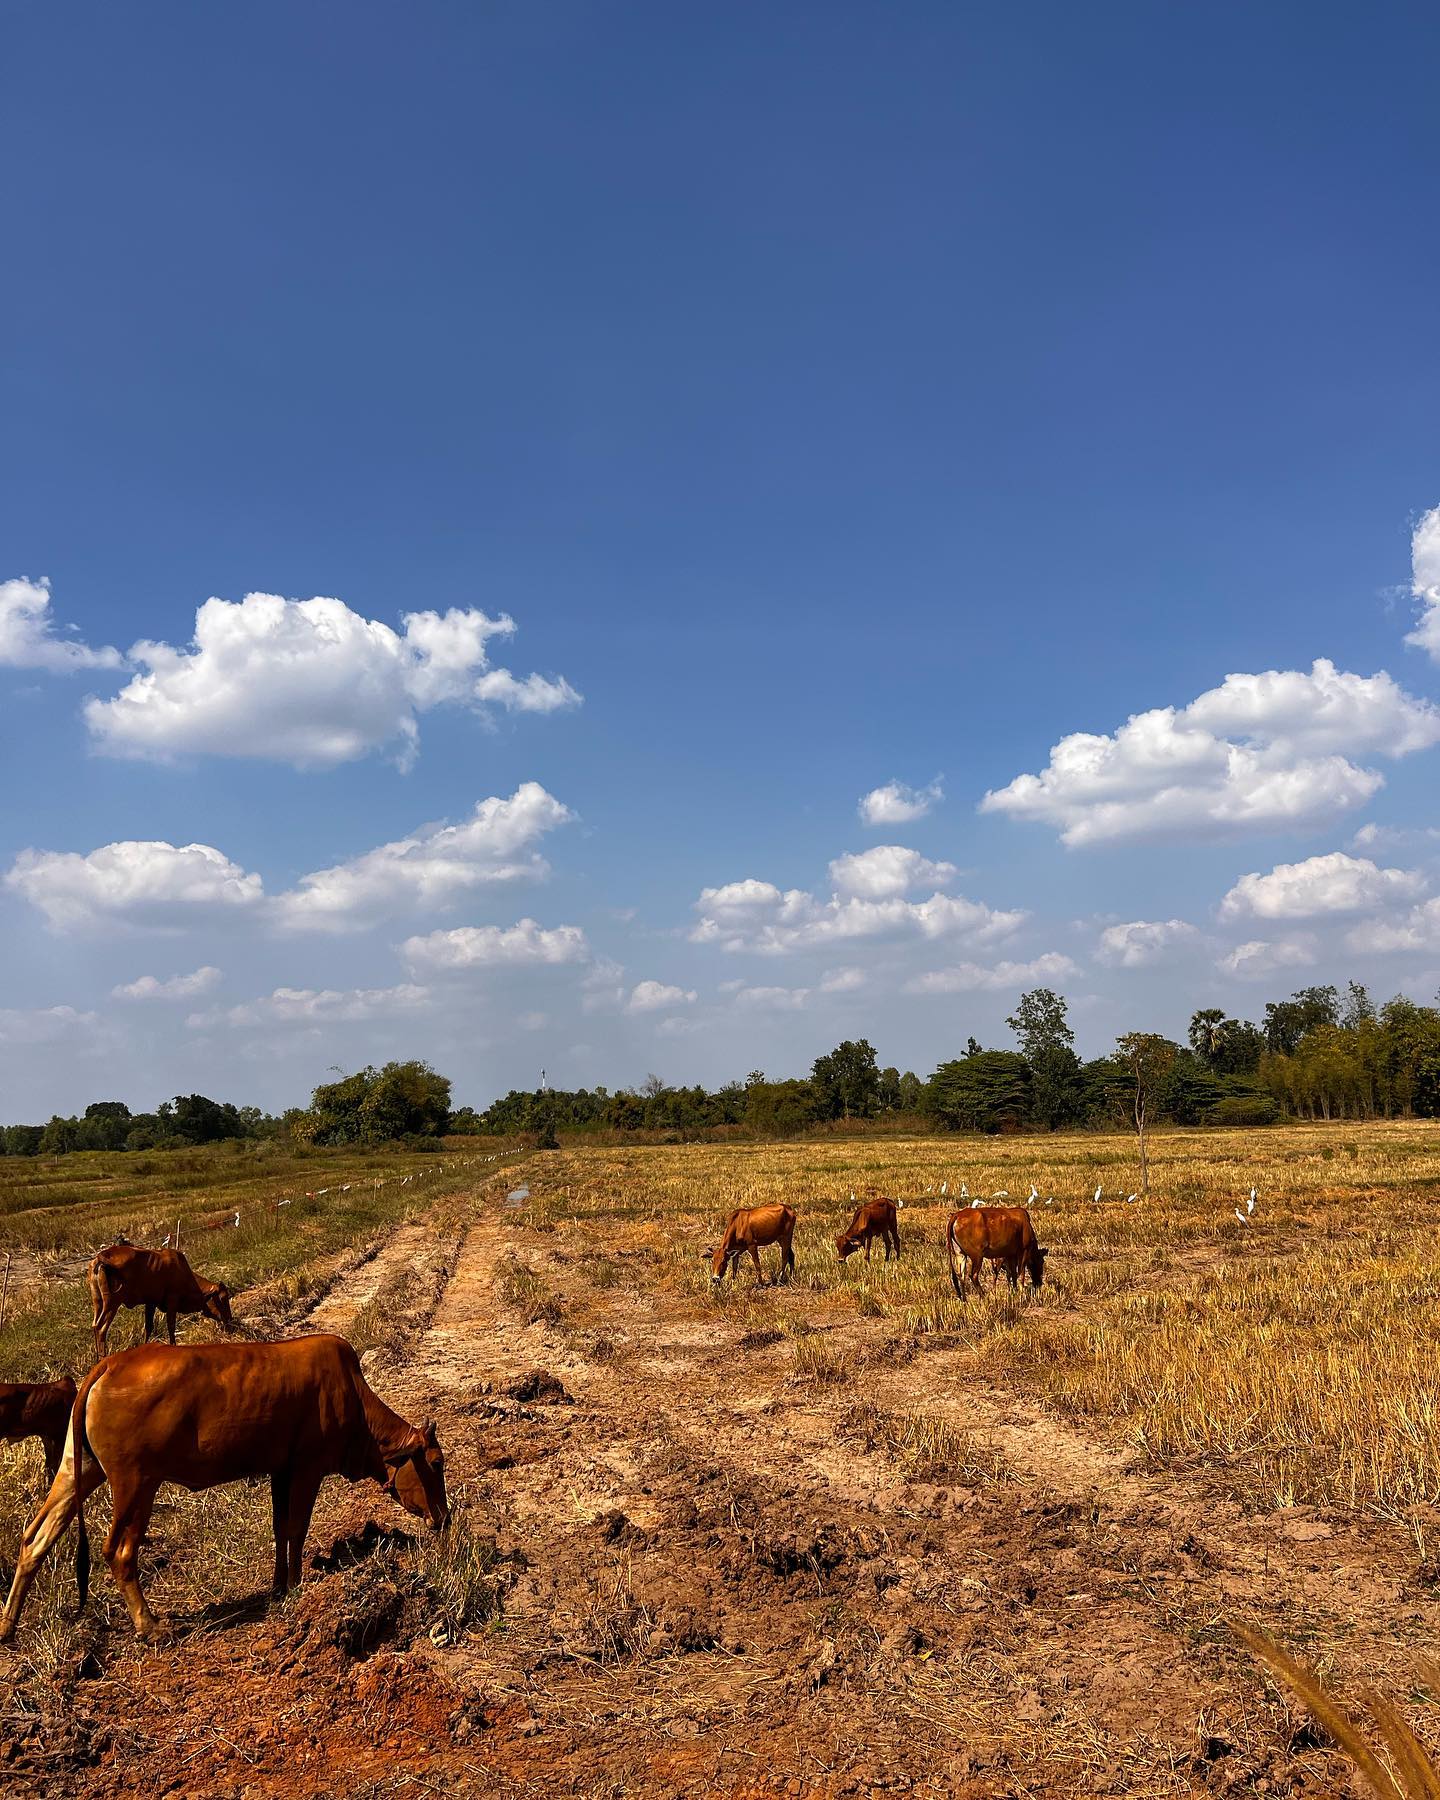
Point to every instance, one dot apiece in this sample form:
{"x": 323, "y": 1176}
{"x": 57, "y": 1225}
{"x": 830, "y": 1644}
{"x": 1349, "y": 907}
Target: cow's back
{"x": 762, "y": 1224}
{"x": 199, "y": 1414}
{"x": 139, "y": 1276}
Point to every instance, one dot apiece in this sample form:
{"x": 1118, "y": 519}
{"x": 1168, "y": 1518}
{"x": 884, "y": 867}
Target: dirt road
{"x": 761, "y": 1549}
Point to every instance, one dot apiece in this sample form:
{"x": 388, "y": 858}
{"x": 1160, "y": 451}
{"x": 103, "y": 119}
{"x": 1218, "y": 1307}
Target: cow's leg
{"x": 787, "y": 1262}
{"x": 170, "y": 1322}
{"x": 102, "y": 1331}
{"x": 57, "y": 1510}
{"x": 279, "y": 1520}
{"x": 759, "y": 1266}
{"x": 869, "y": 1240}
{"x": 149, "y": 1320}
{"x": 303, "y": 1489}
{"x": 54, "y": 1448}
{"x": 132, "y": 1503}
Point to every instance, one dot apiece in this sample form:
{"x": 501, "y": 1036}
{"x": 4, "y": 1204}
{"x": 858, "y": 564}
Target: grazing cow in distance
{"x": 752, "y": 1228}
{"x": 1003, "y": 1235}
{"x": 158, "y": 1280}
{"x": 203, "y": 1414}
{"x": 873, "y": 1218}
{"x": 38, "y": 1409}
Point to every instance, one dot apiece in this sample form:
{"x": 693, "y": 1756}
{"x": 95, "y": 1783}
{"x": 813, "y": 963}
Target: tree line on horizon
{"x": 1321, "y": 1054}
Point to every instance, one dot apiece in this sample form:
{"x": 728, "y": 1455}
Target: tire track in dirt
{"x": 671, "y": 1397}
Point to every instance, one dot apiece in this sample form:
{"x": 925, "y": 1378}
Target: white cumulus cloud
{"x": 28, "y": 639}
{"x": 46, "y": 1025}
{"x": 1418, "y": 929}
{"x": 1425, "y": 583}
{"x": 315, "y": 1006}
{"x": 1258, "y": 960}
{"x": 969, "y": 977}
{"x": 1335, "y": 883}
{"x": 496, "y": 946}
{"x": 656, "y": 996}
{"x": 887, "y": 870}
{"x": 896, "y": 804}
{"x": 1141, "y": 942}
{"x": 141, "y": 884}
{"x": 758, "y": 916}
{"x": 433, "y": 868}
{"x": 847, "y": 980}
{"x": 174, "y": 987}
{"x": 772, "y": 999}
{"x": 1261, "y": 752}
{"x": 309, "y": 682}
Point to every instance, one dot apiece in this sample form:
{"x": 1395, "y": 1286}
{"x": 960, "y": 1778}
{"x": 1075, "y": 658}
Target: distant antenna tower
{"x": 544, "y": 1085}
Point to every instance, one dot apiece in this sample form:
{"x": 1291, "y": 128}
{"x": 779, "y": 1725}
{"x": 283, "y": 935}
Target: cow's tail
{"x": 99, "y": 1291}
{"x": 955, "y": 1280}
{"x": 78, "y": 1447}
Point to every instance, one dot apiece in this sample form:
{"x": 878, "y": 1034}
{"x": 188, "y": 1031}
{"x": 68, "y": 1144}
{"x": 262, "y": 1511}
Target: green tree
{"x": 989, "y": 1092}
{"x": 847, "y": 1082}
{"x": 377, "y": 1106}
{"x": 1041, "y": 1025}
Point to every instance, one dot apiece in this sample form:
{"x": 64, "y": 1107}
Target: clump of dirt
{"x": 540, "y": 1386}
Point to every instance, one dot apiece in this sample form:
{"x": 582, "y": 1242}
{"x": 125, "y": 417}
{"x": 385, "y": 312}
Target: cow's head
{"x": 718, "y": 1262}
{"x": 217, "y": 1303}
{"x": 1035, "y": 1265}
{"x": 417, "y": 1479}
{"x": 844, "y": 1244}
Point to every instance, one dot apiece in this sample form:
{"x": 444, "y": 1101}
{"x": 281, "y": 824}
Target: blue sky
{"x": 832, "y": 397}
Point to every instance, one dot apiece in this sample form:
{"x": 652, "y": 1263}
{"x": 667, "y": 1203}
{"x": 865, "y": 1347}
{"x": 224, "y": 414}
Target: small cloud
{"x": 1141, "y": 942}
{"x": 496, "y": 946}
{"x": 842, "y": 981}
{"x": 656, "y": 996}
{"x": 896, "y": 804}
{"x": 1258, "y": 959}
{"x": 969, "y": 977}
{"x": 1336, "y": 883}
{"x": 772, "y": 999}
{"x": 28, "y": 639}
{"x": 176, "y": 987}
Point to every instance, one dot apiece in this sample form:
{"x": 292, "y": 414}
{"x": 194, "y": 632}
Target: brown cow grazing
{"x": 38, "y": 1409}
{"x": 203, "y": 1414}
{"x": 873, "y": 1218}
{"x": 1003, "y": 1235}
{"x": 158, "y": 1280}
{"x": 752, "y": 1228}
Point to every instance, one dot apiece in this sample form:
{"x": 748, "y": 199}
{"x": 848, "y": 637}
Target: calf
{"x": 873, "y": 1218}
{"x": 752, "y": 1228}
{"x": 38, "y": 1409}
{"x": 158, "y": 1280}
{"x": 203, "y": 1414}
{"x": 1003, "y": 1235}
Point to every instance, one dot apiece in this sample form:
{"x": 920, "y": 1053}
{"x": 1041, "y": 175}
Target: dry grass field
{"x": 846, "y": 1536}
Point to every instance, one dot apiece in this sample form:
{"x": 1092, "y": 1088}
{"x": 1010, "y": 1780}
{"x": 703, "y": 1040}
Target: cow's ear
{"x": 428, "y": 1432}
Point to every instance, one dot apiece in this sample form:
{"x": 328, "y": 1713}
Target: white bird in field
{"x": 1131, "y": 1197}
{"x": 977, "y": 1201}
{"x": 1004, "y": 1194}
{"x": 1250, "y": 1203}
{"x": 166, "y": 1244}
{"x": 1098, "y": 1192}
{"x": 1241, "y": 1216}
{"x": 1034, "y": 1194}
{"x": 944, "y": 1189}
{"x": 237, "y": 1220}
{"x": 1050, "y": 1201}
{"x": 964, "y": 1191}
